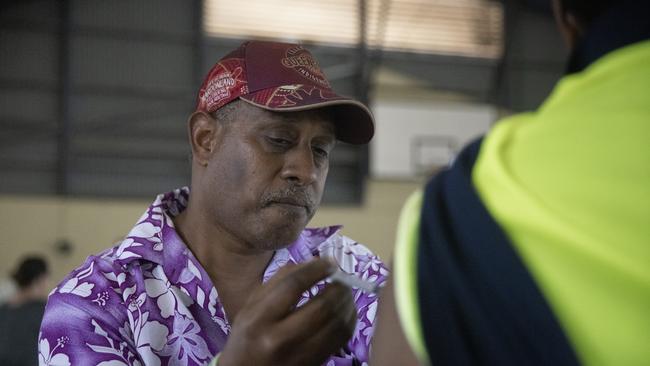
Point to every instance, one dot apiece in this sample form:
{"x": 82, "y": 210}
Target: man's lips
{"x": 291, "y": 203}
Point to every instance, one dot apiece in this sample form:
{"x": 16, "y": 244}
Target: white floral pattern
{"x": 186, "y": 342}
{"x": 170, "y": 299}
{"x": 47, "y": 357}
{"x": 113, "y": 349}
{"x": 76, "y": 287}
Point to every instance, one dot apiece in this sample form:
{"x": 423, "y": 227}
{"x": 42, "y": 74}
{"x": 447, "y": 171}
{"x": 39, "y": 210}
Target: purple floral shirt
{"x": 148, "y": 301}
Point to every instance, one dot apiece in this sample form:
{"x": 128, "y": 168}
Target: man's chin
{"x": 281, "y": 226}
{"x": 281, "y": 236}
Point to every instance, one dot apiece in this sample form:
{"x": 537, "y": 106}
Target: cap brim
{"x": 353, "y": 121}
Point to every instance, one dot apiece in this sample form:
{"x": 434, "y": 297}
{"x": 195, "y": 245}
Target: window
{"x": 471, "y": 28}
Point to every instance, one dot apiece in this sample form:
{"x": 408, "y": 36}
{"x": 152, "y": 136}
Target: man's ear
{"x": 203, "y": 132}
{"x": 570, "y": 26}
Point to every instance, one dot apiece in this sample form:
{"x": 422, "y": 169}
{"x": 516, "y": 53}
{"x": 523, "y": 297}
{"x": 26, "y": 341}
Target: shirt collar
{"x": 155, "y": 239}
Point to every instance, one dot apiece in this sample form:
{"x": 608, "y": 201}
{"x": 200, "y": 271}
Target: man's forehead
{"x": 320, "y": 116}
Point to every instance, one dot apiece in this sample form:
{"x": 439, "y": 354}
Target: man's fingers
{"x": 334, "y": 306}
{"x": 274, "y": 330}
{"x": 317, "y": 330}
{"x": 326, "y": 341}
{"x": 280, "y": 294}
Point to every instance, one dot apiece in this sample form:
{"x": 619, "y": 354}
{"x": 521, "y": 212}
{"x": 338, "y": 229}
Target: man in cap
{"x": 228, "y": 270}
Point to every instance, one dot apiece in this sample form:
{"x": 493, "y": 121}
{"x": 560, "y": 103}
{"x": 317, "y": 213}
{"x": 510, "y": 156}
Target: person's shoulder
{"x": 96, "y": 292}
{"x": 96, "y": 278}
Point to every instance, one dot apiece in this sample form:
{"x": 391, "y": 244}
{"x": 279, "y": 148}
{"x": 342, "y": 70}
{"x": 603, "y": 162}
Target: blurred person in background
{"x": 7, "y": 289}
{"x": 228, "y": 268}
{"x": 534, "y": 247}
{"x": 20, "y": 316}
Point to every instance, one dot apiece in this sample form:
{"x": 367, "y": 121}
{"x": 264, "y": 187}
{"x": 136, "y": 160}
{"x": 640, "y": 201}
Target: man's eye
{"x": 323, "y": 153}
{"x": 278, "y": 141}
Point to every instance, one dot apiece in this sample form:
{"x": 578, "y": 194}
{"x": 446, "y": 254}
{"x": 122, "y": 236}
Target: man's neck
{"x": 24, "y": 296}
{"x": 234, "y": 268}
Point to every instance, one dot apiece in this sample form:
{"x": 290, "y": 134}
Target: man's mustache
{"x": 293, "y": 195}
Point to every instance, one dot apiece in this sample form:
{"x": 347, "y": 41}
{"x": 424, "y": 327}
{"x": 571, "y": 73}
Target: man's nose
{"x": 299, "y": 166}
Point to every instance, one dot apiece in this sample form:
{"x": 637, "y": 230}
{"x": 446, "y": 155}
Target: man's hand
{"x": 270, "y": 331}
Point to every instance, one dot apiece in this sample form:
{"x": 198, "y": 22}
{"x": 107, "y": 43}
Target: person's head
{"x": 574, "y": 17}
{"x": 261, "y": 137}
{"x": 31, "y": 275}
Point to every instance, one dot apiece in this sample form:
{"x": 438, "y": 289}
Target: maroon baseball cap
{"x": 282, "y": 77}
